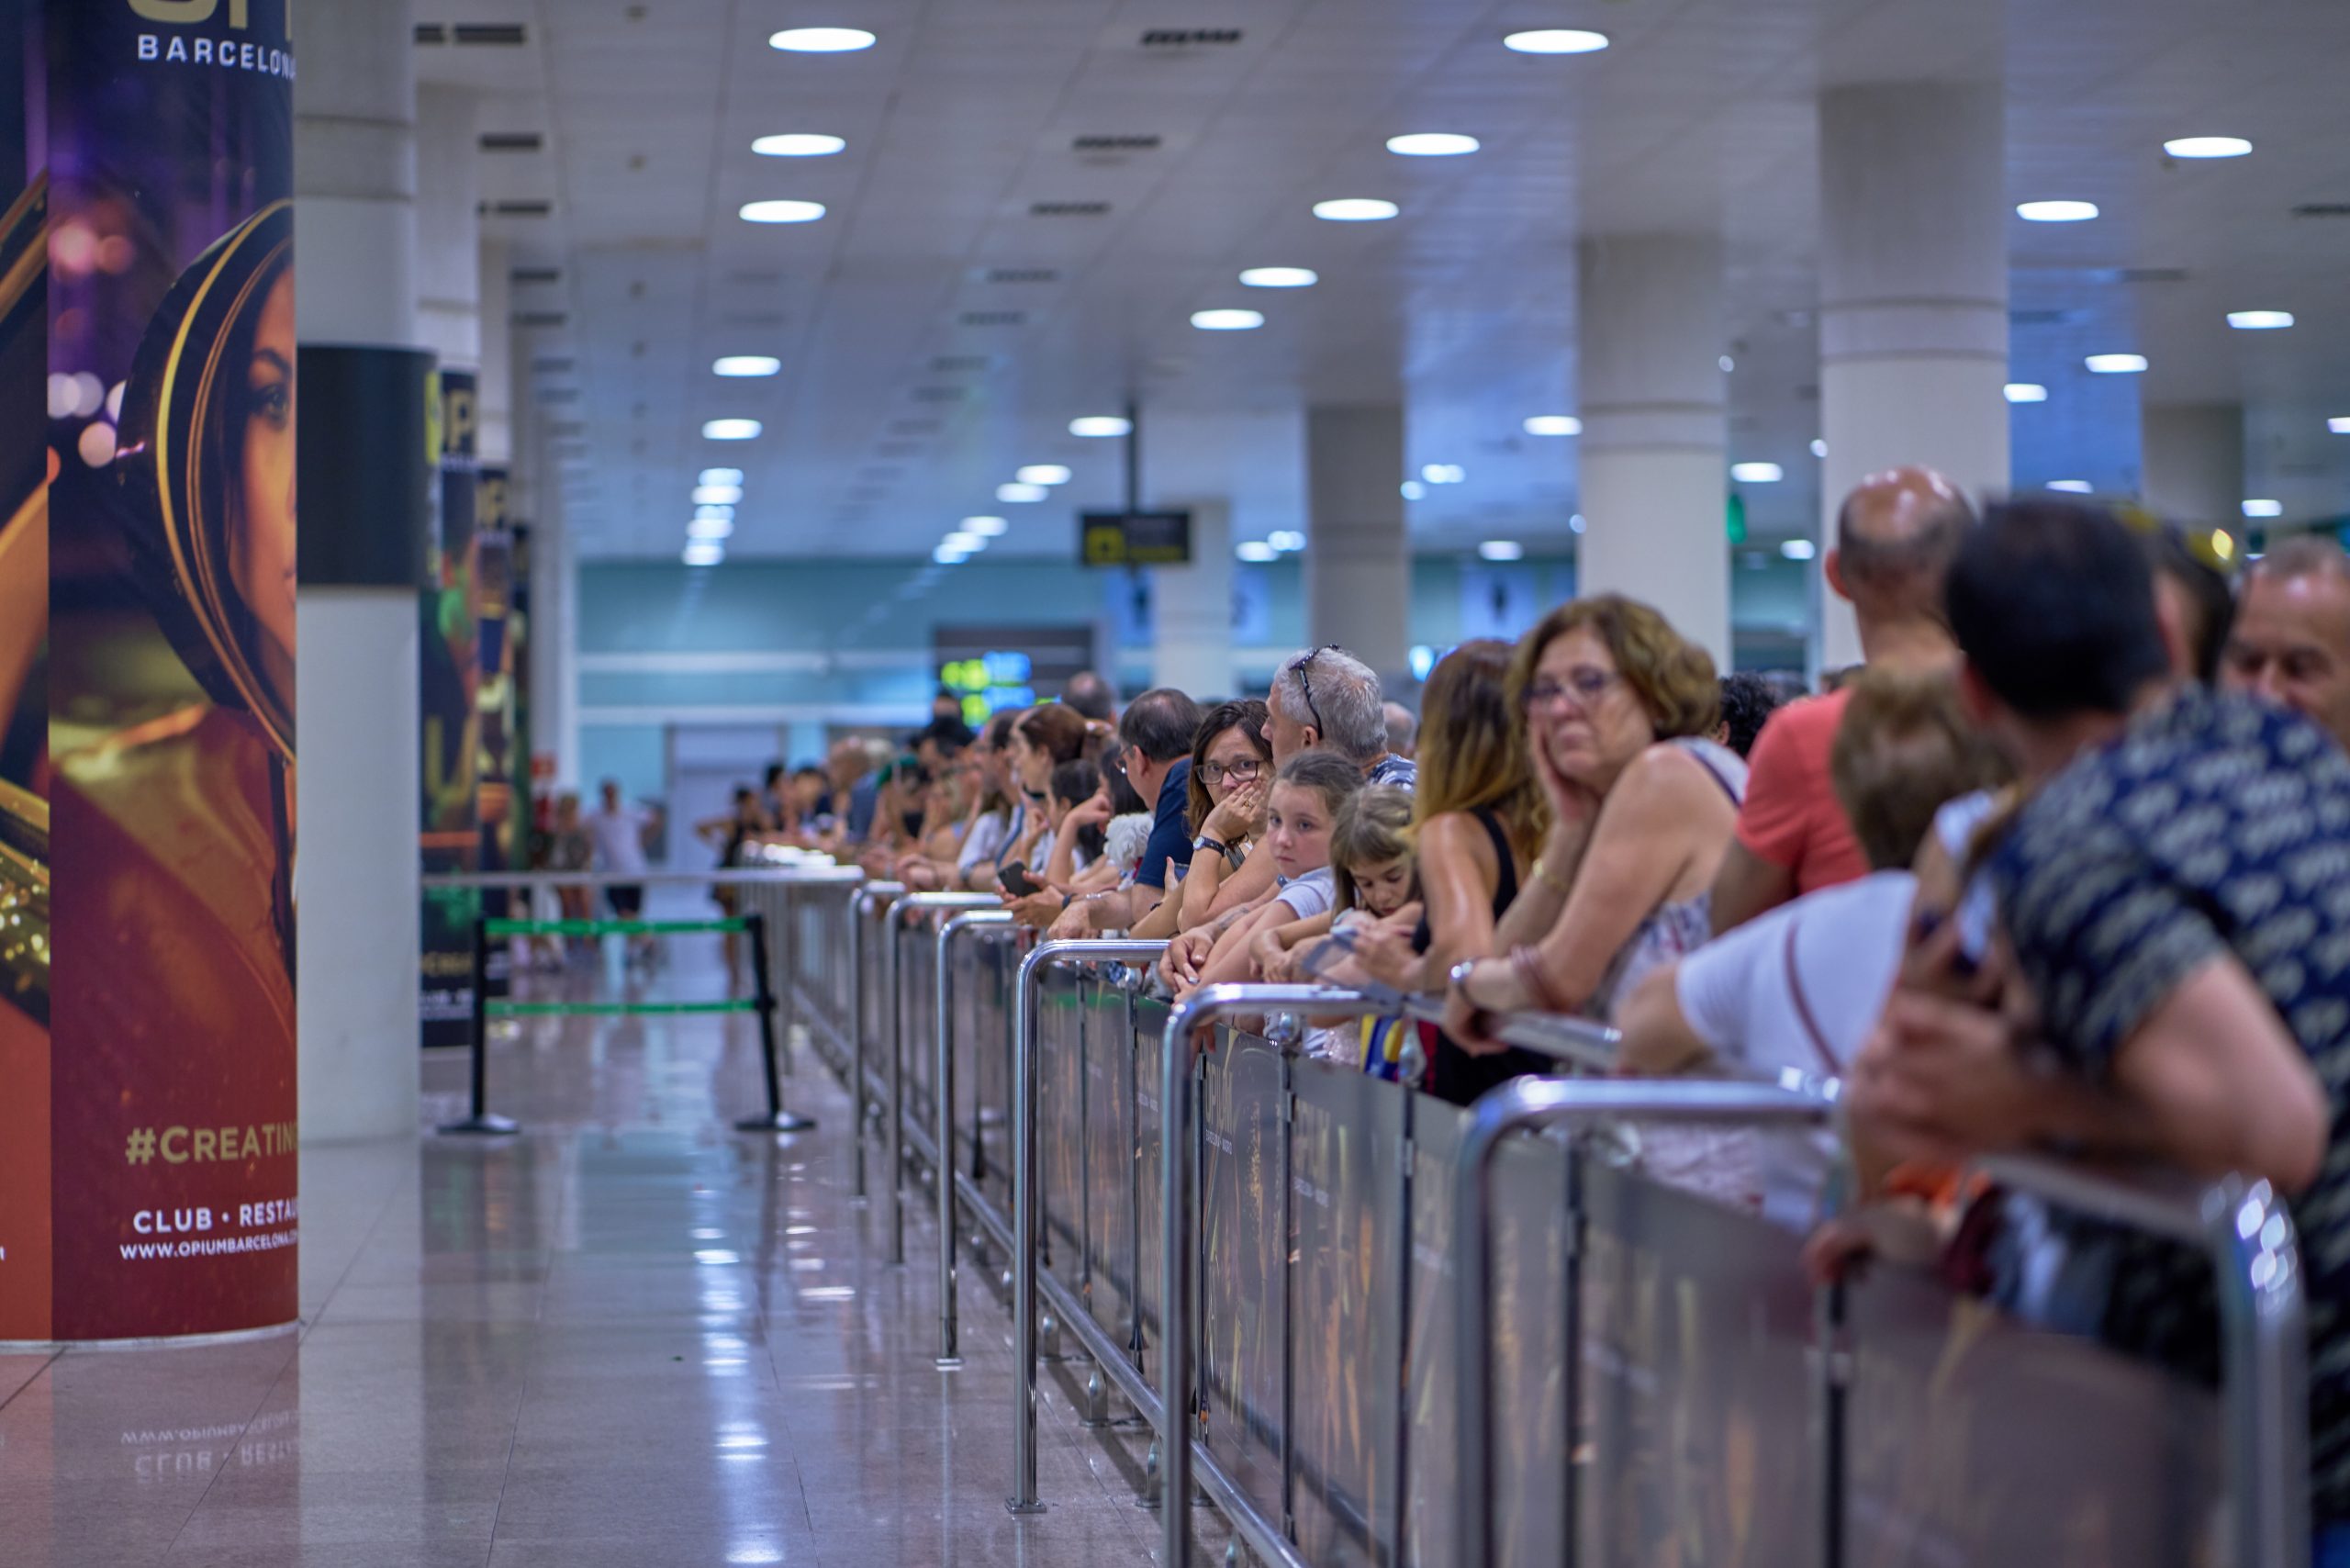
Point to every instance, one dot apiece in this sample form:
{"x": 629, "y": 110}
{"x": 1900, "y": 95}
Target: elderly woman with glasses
{"x": 1618, "y": 708}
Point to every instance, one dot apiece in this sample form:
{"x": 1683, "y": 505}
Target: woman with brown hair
{"x": 1232, "y": 773}
{"x": 1619, "y": 708}
{"x": 1479, "y": 817}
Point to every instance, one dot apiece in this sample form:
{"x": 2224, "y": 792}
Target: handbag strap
{"x": 1804, "y": 1014}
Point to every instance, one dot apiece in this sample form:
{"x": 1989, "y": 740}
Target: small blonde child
{"x": 1376, "y": 877}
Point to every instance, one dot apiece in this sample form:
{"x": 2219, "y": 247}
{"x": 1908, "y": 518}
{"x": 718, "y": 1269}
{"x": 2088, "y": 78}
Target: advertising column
{"x": 148, "y": 834}
{"x": 449, "y": 686}
{"x": 494, "y": 703}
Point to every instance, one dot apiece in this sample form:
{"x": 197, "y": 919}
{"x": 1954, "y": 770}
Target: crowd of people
{"x": 2063, "y": 864}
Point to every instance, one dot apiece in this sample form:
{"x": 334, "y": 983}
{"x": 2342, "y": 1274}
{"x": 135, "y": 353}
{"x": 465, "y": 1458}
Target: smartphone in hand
{"x": 1016, "y": 880}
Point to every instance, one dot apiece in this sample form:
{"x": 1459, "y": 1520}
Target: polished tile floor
{"x": 628, "y": 1337}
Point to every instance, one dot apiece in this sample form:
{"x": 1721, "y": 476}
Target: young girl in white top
{"x": 1308, "y": 794}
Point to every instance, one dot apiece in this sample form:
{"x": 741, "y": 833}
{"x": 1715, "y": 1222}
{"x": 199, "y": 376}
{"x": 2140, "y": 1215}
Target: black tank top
{"x": 1455, "y": 1075}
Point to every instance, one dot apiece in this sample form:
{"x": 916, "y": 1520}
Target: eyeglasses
{"x": 1585, "y": 686}
{"x": 1305, "y": 684}
{"x": 1239, "y": 772}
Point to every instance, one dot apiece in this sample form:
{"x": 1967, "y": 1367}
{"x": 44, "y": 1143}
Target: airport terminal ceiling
{"x": 1033, "y": 197}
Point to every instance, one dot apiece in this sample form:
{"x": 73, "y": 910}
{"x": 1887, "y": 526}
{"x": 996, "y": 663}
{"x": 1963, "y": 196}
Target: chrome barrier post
{"x": 2264, "y": 1341}
{"x": 1179, "y": 1202}
{"x": 1526, "y": 1103}
{"x": 1024, "y": 1498}
{"x": 868, "y": 897}
{"x": 943, "y": 1092}
{"x": 894, "y": 927}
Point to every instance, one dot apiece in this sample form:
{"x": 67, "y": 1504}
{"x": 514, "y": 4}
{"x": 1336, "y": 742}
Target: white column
{"x": 448, "y": 225}
{"x": 495, "y": 329}
{"x": 356, "y": 697}
{"x": 1191, "y": 609}
{"x": 1654, "y": 483}
{"x": 1913, "y": 295}
{"x": 2193, "y": 457}
{"x": 1358, "y": 556}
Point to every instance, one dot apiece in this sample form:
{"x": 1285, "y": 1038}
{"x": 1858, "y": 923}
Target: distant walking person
{"x": 618, "y": 832}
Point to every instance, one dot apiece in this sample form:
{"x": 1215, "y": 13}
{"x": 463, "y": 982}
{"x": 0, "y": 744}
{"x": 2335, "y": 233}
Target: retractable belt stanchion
{"x": 943, "y": 1092}
{"x": 778, "y": 1119}
{"x": 486, "y": 1007}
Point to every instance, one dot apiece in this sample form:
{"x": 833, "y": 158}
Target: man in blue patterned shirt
{"x": 2174, "y": 897}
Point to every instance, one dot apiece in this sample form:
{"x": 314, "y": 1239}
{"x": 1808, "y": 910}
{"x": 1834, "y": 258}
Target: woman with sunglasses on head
{"x": 1618, "y": 708}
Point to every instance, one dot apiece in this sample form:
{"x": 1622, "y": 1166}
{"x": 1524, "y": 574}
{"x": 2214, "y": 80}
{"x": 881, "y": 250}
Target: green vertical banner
{"x": 149, "y": 1151}
{"x": 448, "y": 689}
{"x": 494, "y": 702}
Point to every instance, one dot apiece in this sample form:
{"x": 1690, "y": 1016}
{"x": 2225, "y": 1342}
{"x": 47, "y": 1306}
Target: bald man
{"x": 2291, "y": 643}
{"x": 1895, "y": 535}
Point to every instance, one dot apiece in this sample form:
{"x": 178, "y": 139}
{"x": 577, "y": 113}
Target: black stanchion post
{"x": 481, "y": 1121}
{"x": 778, "y": 1119}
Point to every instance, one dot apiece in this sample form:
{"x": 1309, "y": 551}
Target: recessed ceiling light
{"x": 1726, "y": 363}
{"x": 1502, "y": 550}
{"x": 2056, "y": 211}
{"x": 746, "y": 364}
{"x": 1413, "y": 489}
{"x": 717, "y": 495}
{"x": 798, "y": 144}
{"x": 1431, "y": 144}
{"x": 1280, "y": 277}
{"x": 1444, "y": 473}
{"x": 964, "y": 541}
{"x": 1042, "y": 474}
{"x": 1355, "y": 210}
{"x": 1756, "y": 473}
{"x": 2264, "y": 509}
{"x": 1286, "y": 539}
{"x": 720, "y": 476}
{"x": 1256, "y": 550}
{"x": 1818, "y": 447}
{"x": 711, "y": 528}
{"x": 2207, "y": 147}
{"x": 2115, "y": 363}
{"x": 703, "y": 552}
{"x": 1021, "y": 493}
{"x": 730, "y": 429}
{"x": 2339, "y": 425}
{"x": 821, "y": 41}
{"x": 1798, "y": 549}
{"x": 2026, "y": 392}
{"x": 985, "y": 527}
{"x": 1575, "y": 525}
{"x": 2072, "y": 487}
{"x": 705, "y": 512}
{"x": 1552, "y": 424}
{"x": 782, "y": 211}
{"x": 948, "y": 557}
{"x": 1555, "y": 40}
{"x": 1097, "y": 426}
{"x": 1227, "y": 320}
{"x": 2260, "y": 320}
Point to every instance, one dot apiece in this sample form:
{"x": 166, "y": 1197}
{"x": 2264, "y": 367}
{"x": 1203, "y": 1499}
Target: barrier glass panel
{"x": 917, "y": 978}
{"x": 1150, "y": 1044}
{"x": 1530, "y": 1239}
{"x": 1431, "y": 1477}
{"x": 1974, "y": 1440}
{"x": 1242, "y": 1266}
{"x": 1060, "y": 1116}
{"x": 1347, "y": 1153}
{"x": 992, "y": 1065}
{"x": 1110, "y": 1192}
{"x": 1696, "y": 1397}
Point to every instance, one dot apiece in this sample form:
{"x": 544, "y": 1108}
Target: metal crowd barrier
{"x": 1337, "y": 1290}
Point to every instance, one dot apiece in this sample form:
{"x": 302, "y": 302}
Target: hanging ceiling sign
{"x": 1134, "y": 539}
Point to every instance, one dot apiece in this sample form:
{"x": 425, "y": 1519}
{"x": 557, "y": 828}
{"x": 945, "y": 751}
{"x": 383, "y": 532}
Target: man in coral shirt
{"x": 1895, "y": 534}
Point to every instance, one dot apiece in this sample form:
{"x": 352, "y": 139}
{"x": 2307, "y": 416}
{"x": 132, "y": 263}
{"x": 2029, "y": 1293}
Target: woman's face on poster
{"x": 261, "y": 543}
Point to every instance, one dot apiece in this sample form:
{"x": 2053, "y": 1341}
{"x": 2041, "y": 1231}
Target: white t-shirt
{"x": 1829, "y": 956}
{"x": 1311, "y": 894}
{"x": 983, "y": 842}
{"x": 619, "y": 838}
